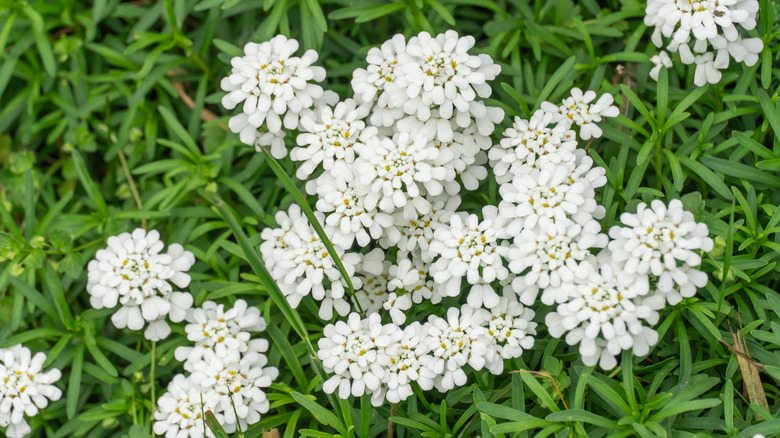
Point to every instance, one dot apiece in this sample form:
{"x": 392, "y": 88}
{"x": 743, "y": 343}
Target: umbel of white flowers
{"x": 705, "y": 33}
{"x": 227, "y": 368}
{"x": 387, "y": 167}
{"x": 24, "y": 388}
{"x": 134, "y": 273}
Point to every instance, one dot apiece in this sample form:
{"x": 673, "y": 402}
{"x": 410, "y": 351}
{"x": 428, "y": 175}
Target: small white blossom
{"x": 24, "y": 388}
{"x": 301, "y": 265}
{"x": 661, "y": 60}
{"x": 331, "y": 135}
{"x": 532, "y": 144}
{"x": 578, "y": 109}
{"x": 417, "y": 233}
{"x": 227, "y": 332}
{"x": 454, "y": 341}
{"x": 405, "y": 365}
{"x": 552, "y": 251}
{"x": 134, "y": 273}
{"x": 601, "y": 316}
{"x": 396, "y": 170}
{"x": 241, "y": 384}
{"x": 180, "y": 410}
{"x": 349, "y": 220}
{"x": 272, "y": 86}
{"x": 468, "y": 247}
{"x": 512, "y": 329}
{"x": 354, "y": 352}
{"x": 379, "y": 81}
{"x": 439, "y": 71}
{"x": 662, "y": 241}
{"x": 548, "y": 193}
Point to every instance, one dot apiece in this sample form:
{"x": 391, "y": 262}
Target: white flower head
{"x": 512, "y": 329}
{"x": 226, "y": 332}
{"x": 379, "y": 81}
{"x": 396, "y": 170}
{"x": 241, "y": 383}
{"x": 468, "y": 247}
{"x": 550, "y": 253}
{"x": 180, "y": 410}
{"x": 601, "y": 315}
{"x": 663, "y": 242}
{"x": 273, "y": 86}
{"x": 416, "y": 233}
{"x": 354, "y": 351}
{"x": 301, "y": 265}
{"x": 406, "y": 360}
{"x": 331, "y": 135}
{"x": 439, "y": 71}
{"x": 549, "y": 193}
{"x": 349, "y": 220}
{"x": 578, "y": 110}
{"x": 455, "y": 341}
{"x": 24, "y": 388}
{"x": 133, "y": 272}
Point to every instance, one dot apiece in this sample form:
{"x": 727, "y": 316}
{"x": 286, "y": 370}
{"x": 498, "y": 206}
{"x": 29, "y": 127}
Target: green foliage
{"x": 108, "y": 123}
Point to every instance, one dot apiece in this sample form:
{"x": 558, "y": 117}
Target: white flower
{"x": 301, "y": 265}
{"x": 601, "y": 316}
{"x": 239, "y": 383}
{"x": 551, "y": 251}
{"x": 439, "y": 71}
{"x": 579, "y": 110}
{"x": 661, "y": 60}
{"x": 510, "y": 325}
{"x": 708, "y": 68}
{"x": 468, "y": 247}
{"x": 456, "y": 341}
{"x": 405, "y": 365}
{"x": 180, "y": 411}
{"x": 349, "y": 219}
{"x": 272, "y": 85}
{"x": 548, "y": 193}
{"x": 662, "y": 241}
{"x": 226, "y": 332}
{"x": 331, "y": 136}
{"x": 417, "y": 233}
{"x": 379, "y": 81}
{"x": 134, "y": 273}
{"x": 394, "y": 171}
{"x": 532, "y": 144}
{"x": 24, "y": 388}
{"x": 354, "y": 352}
{"x": 709, "y": 24}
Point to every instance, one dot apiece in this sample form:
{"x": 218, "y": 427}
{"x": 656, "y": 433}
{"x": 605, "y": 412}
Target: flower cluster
{"x": 705, "y": 33}
{"x": 387, "y": 167}
{"x": 24, "y": 388}
{"x": 368, "y": 357}
{"x": 229, "y": 372}
{"x": 134, "y": 273}
{"x": 273, "y": 88}
{"x": 301, "y": 265}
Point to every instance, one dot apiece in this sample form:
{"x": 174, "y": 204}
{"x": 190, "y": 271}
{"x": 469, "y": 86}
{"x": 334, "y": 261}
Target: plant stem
{"x": 131, "y": 183}
{"x": 153, "y": 383}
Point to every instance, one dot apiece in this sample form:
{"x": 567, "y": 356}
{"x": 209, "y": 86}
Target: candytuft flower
{"x": 134, "y": 273}
{"x": 24, "y": 388}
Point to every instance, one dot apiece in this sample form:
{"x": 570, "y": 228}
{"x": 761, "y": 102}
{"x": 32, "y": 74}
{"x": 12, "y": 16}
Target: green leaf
{"x": 583, "y": 417}
{"x": 707, "y": 176}
{"x": 739, "y": 170}
{"x": 552, "y": 82}
{"x": 89, "y": 185}
{"x": 322, "y": 415}
{"x": 74, "y": 382}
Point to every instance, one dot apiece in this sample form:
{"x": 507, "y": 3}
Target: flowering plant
{"x": 421, "y": 218}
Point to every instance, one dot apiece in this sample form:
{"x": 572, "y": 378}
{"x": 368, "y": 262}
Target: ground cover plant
{"x": 417, "y": 218}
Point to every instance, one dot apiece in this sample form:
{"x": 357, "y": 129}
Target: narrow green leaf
{"x": 322, "y": 415}
{"x": 74, "y": 382}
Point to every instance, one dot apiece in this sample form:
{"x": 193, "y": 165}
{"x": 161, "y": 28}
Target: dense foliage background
{"x": 110, "y": 120}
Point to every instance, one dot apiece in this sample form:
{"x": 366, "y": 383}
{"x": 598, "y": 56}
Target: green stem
{"x": 153, "y": 383}
{"x": 131, "y": 183}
